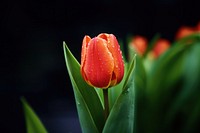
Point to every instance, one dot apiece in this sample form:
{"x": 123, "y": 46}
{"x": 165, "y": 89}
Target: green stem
{"x": 106, "y": 103}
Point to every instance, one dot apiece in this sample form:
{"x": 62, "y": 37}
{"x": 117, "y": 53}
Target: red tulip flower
{"x": 185, "y": 31}
{"x": 102, "y": 63}
{"x": 139, "y": 44}
{"x": 160, "y": 47}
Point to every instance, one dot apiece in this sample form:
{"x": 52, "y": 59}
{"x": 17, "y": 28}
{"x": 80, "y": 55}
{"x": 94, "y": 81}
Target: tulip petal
{"x": 99, "y": 64}
{"x": 83, "y": 53}
{"x": 84, "y": 47}
{"x": 114, "y": 48}
{"x": 161, "y": 46}
{"x": 139, "y": 44}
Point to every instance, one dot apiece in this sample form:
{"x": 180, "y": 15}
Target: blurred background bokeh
{"x": 32, "y": 60}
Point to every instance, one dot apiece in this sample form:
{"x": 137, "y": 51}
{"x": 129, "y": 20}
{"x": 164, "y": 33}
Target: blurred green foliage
{"x": 168, "y": 88}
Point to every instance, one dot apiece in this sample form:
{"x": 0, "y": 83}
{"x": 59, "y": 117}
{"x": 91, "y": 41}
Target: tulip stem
{"x": 106, "y": 103}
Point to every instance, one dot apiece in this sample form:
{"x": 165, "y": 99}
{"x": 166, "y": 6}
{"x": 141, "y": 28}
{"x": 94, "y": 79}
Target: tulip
{"x": 139, "y": 44}
{"x": 160, "y": 47}
{"x": 102, "y": 63}
{"x": 185, "y": 31}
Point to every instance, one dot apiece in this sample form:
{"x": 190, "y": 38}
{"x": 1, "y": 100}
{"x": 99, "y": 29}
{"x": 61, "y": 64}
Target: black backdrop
{"x": 32, "y": 60}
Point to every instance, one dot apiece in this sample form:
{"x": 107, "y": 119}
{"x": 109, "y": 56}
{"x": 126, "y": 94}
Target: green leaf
{"x": 164, "y": 83}
{"x": 131, "y": 52}
{"x": 140, "y": 71}
{"x": 140, "y": 95}
{"x": 130, "y": 69}
{"x": 100, "y": 93}
{"x": 89, "y": 106}
{"x": 114, "y": 92}
{"x": 187, "y": 99}
{"x": 121, "y": 117}
{"x": 162, "y": 78}
{"x": 33, "y": 123}
{"x": 166, "y": 71}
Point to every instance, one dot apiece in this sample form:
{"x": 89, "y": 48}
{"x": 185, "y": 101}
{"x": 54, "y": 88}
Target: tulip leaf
{"x": 33, "y": 123}
{"x": 188, "y": 97}
{"x": 88, "y": 103}
{"x": 140, "y": 97}
{"x": 100, "y": 93}
{"x": 170, "y": 64}
{"x": 130, "y": 69}
{"x": 166, "y": 70}
{"x": 161, "y": 78}
{"x": 121, "y": 117}
{"x": 114, "y": 92}
{"x": 164, "y": 84}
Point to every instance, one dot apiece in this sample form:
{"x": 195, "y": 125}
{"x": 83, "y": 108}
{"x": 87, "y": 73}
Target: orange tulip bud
{"x": 102, "y": 63}
{"x": 139, "y": 44}
{"x": 185, "y": 31}
{"x": 160, "y": 47}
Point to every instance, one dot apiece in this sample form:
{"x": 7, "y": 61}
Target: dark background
{"x": 31, "y": 52}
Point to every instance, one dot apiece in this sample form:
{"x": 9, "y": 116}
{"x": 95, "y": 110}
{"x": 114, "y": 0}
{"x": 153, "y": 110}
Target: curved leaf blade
{"x": 33, "y": 123}
{"x": 114, "y": 92}
{"x": 87, "y": 100}
{"x": 121, "y": 117}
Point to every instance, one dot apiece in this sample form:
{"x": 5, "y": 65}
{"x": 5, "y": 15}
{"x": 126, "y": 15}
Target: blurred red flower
{"x": 139, "y": 44}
